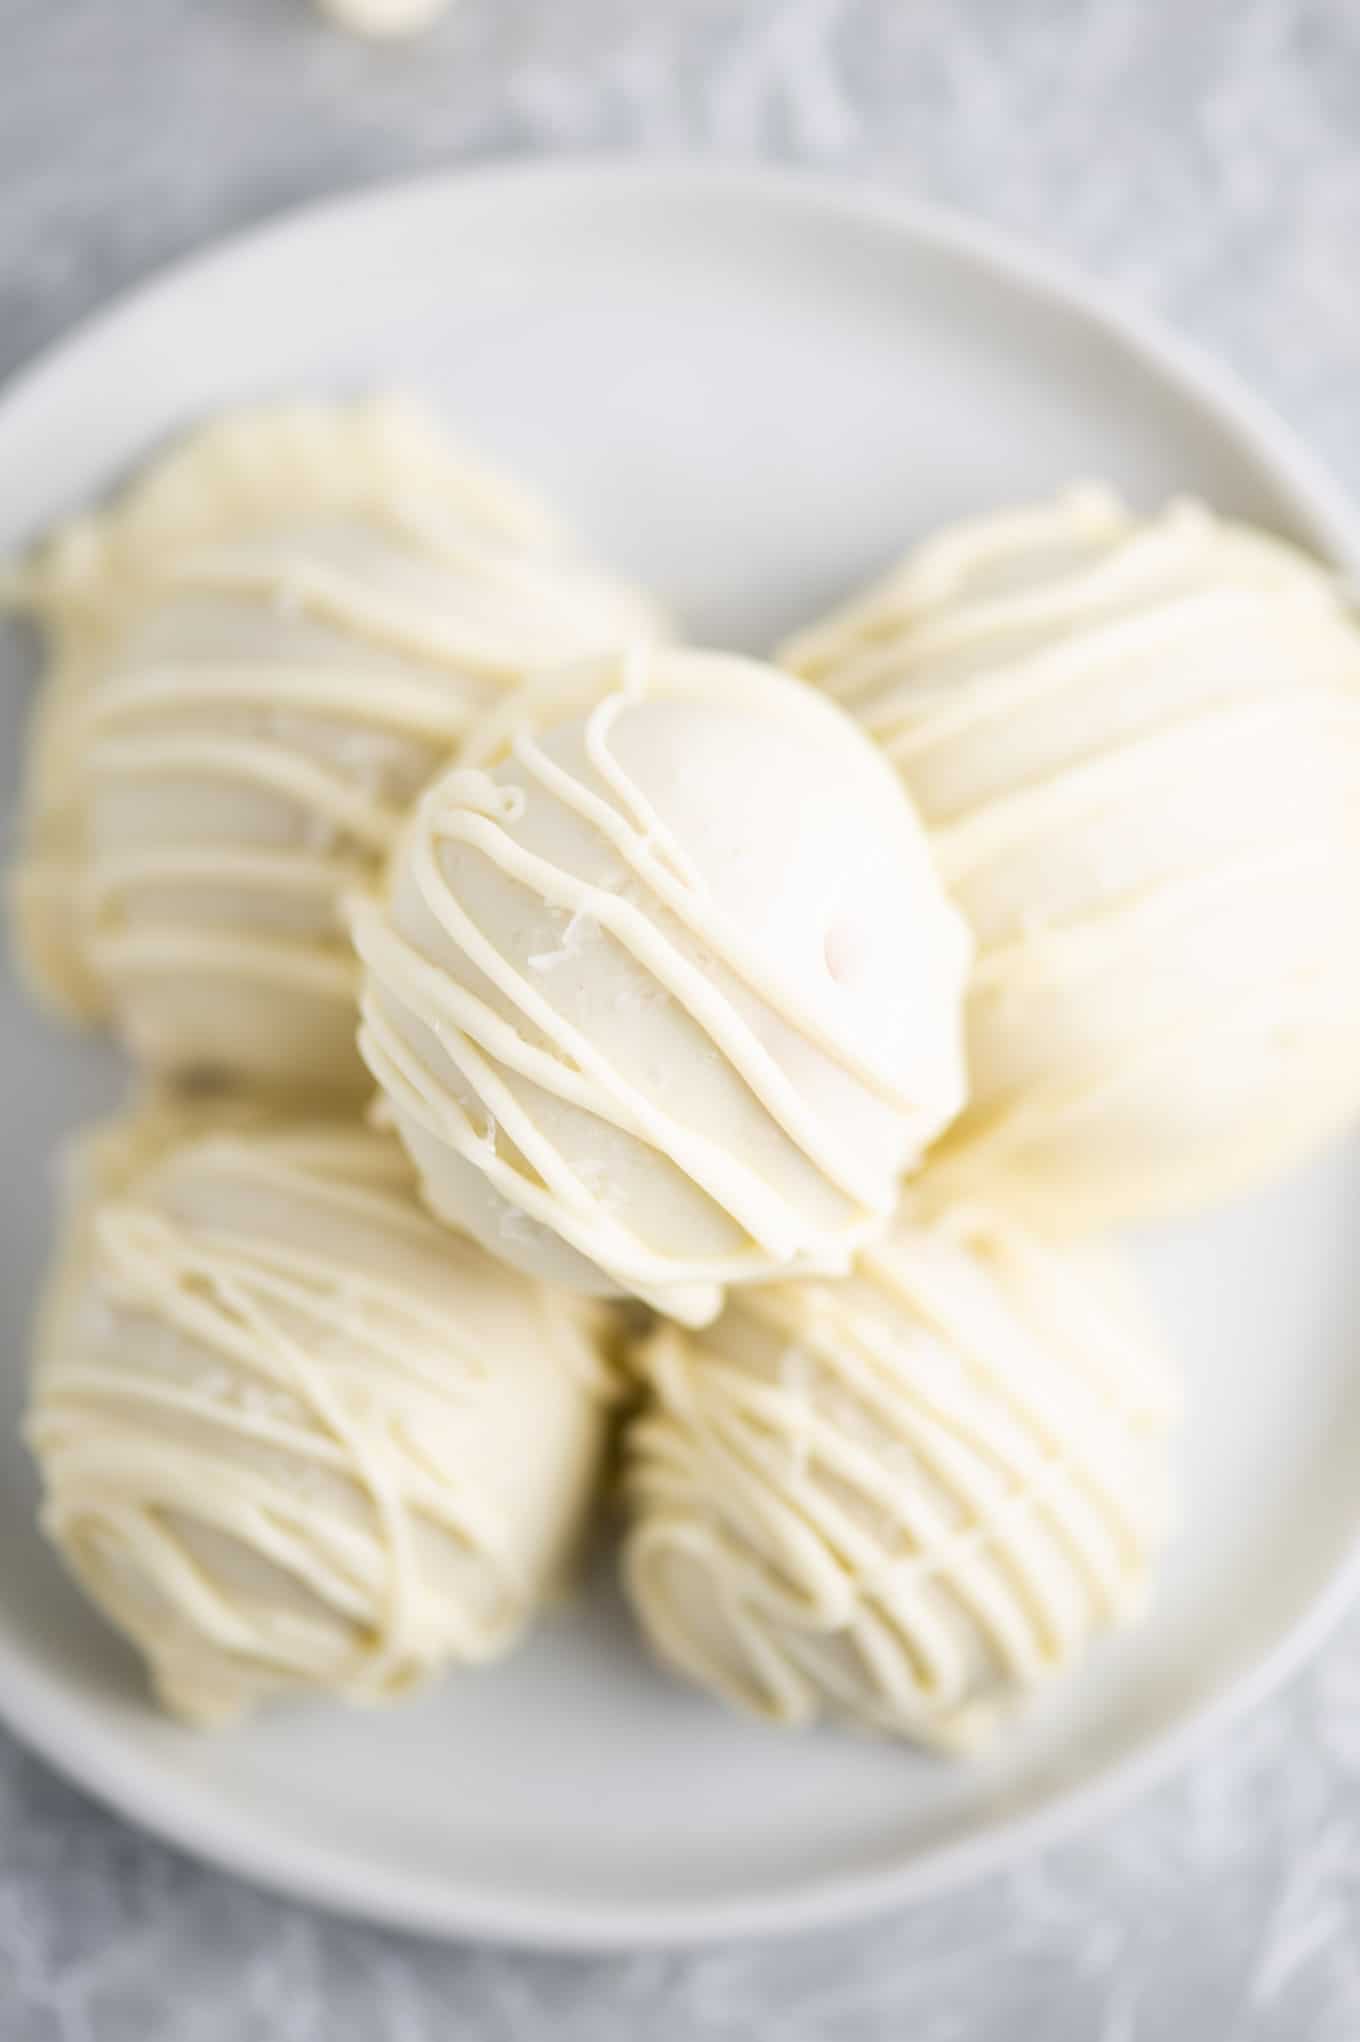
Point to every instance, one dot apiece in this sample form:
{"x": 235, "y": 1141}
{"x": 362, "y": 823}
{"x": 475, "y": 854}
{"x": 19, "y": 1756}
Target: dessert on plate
{"x": 908, "y": 1499}
{"x": 292, "y": 1435}
{"x": 662, "y": 992}
{"x": 1136, "y": 744}
{"x": 259, "y": 654}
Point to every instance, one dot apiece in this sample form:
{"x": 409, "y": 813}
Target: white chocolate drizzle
{"x": 1137, "y": 747}
{"x": 506, "y": 1043}
{"x": 292, "y": 1434}
{"x": 911, "y": 1498}
{"x": 249, "y": 687}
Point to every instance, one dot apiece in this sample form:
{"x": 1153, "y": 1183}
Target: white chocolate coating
{"x": 909, "y": 1499}
{"x": 1137, "y": 748}
{"x": 260, "y": 655}
{"x": 293, "y": 1435}
{"x": 665, "y": 995}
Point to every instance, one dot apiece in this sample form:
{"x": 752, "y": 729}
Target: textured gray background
{"x": 1202, "y": 155}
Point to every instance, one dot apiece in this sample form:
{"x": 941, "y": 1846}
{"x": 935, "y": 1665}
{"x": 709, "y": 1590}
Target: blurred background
{"x": 1201, "y": 156}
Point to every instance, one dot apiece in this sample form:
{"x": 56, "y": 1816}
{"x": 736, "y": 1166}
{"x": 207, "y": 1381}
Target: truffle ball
{"x": 259, "y": 655}
{"x": 1136, "y": 744}
{"x": 292, "y": 1434}
{"x": 908, "y": 1499}
{"x": 664, "y": 994}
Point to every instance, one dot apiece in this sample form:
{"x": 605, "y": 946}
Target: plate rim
{"x": 50, "y": 1726}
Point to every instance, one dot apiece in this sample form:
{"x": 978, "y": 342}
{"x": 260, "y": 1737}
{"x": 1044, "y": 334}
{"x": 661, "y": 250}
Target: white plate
{"x": 749, "y": 390}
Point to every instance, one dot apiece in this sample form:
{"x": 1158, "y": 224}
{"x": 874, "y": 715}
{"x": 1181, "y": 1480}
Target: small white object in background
{"x": 382, "y": 20}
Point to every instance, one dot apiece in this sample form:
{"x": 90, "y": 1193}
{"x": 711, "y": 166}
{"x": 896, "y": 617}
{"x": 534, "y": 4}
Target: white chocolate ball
{"x": 664, "y": 994}
{"x": 293, "y": 1435}
{"x": 1136, "y": 745}
{"x": 909, "y": 1499}
{"x": 260, "y": 655}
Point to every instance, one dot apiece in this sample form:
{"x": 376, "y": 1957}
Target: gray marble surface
{"x": 1203, "y": 156}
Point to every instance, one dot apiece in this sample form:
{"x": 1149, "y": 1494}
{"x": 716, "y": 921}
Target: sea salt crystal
{"x": 573, "y": 939}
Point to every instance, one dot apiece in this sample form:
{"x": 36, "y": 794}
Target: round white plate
{"x": 749, "y": 390}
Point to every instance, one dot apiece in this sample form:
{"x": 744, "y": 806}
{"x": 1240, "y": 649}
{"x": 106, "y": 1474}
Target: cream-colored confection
{"x": 293, "y": 1435}
{"x": 381, "y": 19}
{"x": 259, "y": 655}
{"x": 1136, "y": 744}
{"x": 907, "y": 1499}
{"x": 664, "y": 994}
